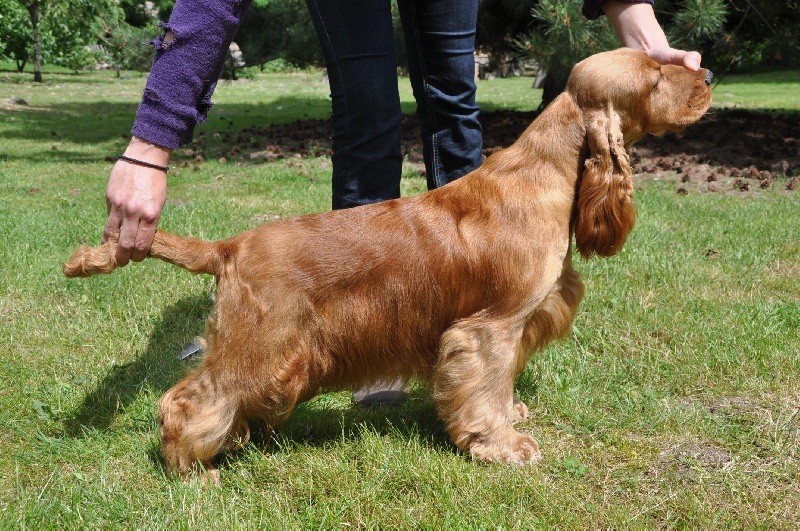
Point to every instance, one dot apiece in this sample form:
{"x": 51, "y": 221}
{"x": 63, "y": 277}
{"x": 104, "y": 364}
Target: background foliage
{"x": 731, "y": 34}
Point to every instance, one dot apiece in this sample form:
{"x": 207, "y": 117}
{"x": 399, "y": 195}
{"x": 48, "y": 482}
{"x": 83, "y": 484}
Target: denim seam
{"x": 338, "y": 72}
{"x": 425, "y": 86}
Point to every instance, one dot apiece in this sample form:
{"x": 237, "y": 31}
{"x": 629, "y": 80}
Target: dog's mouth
{"x": 702, "y": 103}
{"x": 697, "y": 107}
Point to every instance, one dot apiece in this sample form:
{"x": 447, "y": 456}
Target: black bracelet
{"x": 165, "y": 169}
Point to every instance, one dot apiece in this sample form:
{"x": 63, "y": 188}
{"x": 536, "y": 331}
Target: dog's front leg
{"x": 473, "y": 388}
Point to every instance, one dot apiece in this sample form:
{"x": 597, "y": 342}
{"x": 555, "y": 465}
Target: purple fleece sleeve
{"x": 185, "y": 71}
{"x": 592, "y": 9}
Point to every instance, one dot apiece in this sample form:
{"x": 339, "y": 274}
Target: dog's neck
{"x": 556, "y": 137}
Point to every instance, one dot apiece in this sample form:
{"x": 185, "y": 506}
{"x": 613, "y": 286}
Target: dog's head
{"x": 624, "y": 94}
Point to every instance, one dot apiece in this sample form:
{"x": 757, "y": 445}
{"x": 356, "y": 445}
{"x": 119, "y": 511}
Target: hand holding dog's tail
{"x": 197, "y": 256}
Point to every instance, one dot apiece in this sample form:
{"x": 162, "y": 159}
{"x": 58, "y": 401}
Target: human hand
{"x": 135, "y": 197}
{"x": 671, "y": 56}
{"x": 637, "y": 27}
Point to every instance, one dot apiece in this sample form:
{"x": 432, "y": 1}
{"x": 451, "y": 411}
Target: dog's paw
{"x": 519, "y": 411}
{"x": 210, "y": 475}
{"x": 507, "y": 446}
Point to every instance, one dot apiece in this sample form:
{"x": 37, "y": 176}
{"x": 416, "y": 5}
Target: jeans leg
{"x": 357, "y": 39}
{"x": 440, "y": 40}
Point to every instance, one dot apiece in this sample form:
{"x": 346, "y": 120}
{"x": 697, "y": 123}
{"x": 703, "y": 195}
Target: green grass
{"x": 673, "y": 403}
{"x": 768, "y": 90}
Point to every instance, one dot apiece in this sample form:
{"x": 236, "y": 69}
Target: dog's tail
{"x": 197, "y": 256}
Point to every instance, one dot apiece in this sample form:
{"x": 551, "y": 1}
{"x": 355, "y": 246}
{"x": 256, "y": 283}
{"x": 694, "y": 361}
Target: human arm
{"x": 636, "y": 26}
{"x": 189, "y": 59}
{"x": 135, "y": 196}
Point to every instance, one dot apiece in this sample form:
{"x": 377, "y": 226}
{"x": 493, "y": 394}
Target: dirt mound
{"x": 729, "y": 150}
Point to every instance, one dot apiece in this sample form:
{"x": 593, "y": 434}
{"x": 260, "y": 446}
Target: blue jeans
{"x": 357, "y": 39}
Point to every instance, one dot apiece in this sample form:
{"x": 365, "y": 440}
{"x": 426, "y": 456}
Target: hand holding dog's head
{"x": 624, "y": 94}
{"x": 648, "y": 97}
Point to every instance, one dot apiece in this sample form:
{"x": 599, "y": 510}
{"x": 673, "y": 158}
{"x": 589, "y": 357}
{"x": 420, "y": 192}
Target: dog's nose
{"x": 709, "y": 77}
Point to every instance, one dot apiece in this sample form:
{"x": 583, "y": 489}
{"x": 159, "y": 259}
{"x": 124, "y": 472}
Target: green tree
{"x": 57, "y": 31}
{"x": 272, "y": 29}
{"x": 279, "y": 29}
{"x": 126, "y": 39}
{"x": 139, "y": 13}
{"x": 562, "y": 37}
{"x": 127, "y": 47}
{"x": 36, "y": 9}
{"x": 15, "y": 33}
{"x": 499, "y": 21}
{"x": 758, "y": 33}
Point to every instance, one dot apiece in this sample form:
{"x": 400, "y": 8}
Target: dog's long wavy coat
{"x": 458, "y": 286}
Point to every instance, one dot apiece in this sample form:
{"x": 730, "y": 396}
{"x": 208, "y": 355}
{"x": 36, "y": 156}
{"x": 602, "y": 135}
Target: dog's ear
{"x": 605, "y": 213}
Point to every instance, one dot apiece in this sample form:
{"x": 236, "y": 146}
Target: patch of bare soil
{"x": 9, "y": 102}
{"x": 687, "y": 458}
{"x": 728, "y": 151}
{"x": 769, "y": 424}
{"x": 17, "y": 104}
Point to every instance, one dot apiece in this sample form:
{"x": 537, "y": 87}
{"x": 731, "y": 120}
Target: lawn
{"x": 674, "y": 402}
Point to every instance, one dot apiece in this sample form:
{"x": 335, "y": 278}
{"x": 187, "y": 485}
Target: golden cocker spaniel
{"x": 457, "y": 286}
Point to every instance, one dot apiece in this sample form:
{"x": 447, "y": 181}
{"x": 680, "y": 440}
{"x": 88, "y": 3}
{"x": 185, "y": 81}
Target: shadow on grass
{"x": 102, "y": 121}
{"x": 732, "y": 137}
{"x": 315, "y": 425}
{"x": 157, "y": 369}
{"x": 310, "y": 426}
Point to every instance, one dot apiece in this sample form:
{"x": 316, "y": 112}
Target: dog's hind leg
{"x": 473, "y": 386}
{"x": 199, "y": 419}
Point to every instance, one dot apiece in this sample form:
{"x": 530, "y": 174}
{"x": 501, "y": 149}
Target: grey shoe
{"x": 191, "y": 349}
{"x": 382, "y": 393}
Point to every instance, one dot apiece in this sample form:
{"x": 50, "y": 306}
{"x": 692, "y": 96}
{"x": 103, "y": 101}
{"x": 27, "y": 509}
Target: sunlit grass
{"x": 766, "y": 90}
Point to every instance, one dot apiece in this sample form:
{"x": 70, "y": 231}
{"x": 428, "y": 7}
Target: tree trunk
{"x": 554, "y": 84}
{"x": 20, "y": 65}
{"x": 33, "y": 11}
